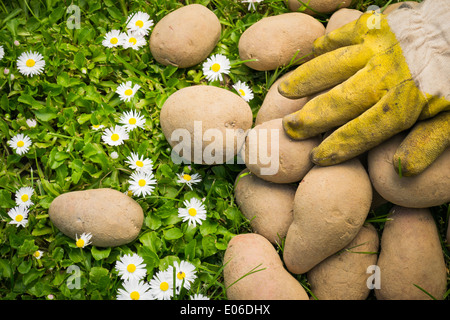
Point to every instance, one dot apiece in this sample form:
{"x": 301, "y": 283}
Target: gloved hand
{"x": 387, "y": 73}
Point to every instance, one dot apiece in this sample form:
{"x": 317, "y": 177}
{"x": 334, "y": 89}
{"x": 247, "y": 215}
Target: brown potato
{"x": 330, "y": 207}
{"x": 275, "y": 40}
{"x": 269, "y": 206}
{"x": 394, "y": 6}
{"x": 254, "y": 271}
{"x": 271, "y": 155}
{"x": 427, "y": 189}
{"x": 112, "y": 217}
{"x": 341, "y": 18}
{"x": 321, "y": 6}
{"x": 276, "y": 106}
{"x": 411, "y": 255}
{"x": 185, "y": 37}
{"x": 205, "y": 124}
{"x": 343, "y": 276}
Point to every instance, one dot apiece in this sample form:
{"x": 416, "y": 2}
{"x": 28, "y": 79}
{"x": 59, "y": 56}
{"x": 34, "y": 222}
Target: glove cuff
{"x": 424, "y": 36}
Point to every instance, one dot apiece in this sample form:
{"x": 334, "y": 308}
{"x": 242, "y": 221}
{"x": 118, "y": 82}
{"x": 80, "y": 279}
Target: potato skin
{"x": 394, "y": 6}
{"x": 331, "y": 204}
{"x": 411, "y": 253}
{"x": 427, "y": 189}
{"x": 112, "y": 217}
{"x": 269, "y": 206}
{"x": 185, "y": 37}
{"x": 212, "y": 108}
{"x": 322, "y": 6}
{"x": 343, "y": 276}
{"x": 288, "y": 160}
{"x": 341, "y": 18}
{"x": 252, "y": 252}
{"x": 273, "y": 41}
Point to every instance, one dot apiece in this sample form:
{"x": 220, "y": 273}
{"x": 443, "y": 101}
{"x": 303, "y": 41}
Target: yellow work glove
{"x": 387, "y": 73}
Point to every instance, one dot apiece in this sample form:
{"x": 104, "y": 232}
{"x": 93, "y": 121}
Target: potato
{"x": 394, "y": 6}
{"x": 254, "y": 271}
{"x": 185, "y": 37}
{"x": 427, "y": 189}
{"x": 271, "y": 155}
{"x": 320, "y": 6}
{"x": 112, "y": 217}
{"x": 341, "y": 18}
{"x": 276, "y": 106}
{"x": 411, "y": 255}
{"x": 330, "y": 207}
{"x": 205, "y": 124}
{"x": 269, "y": 206}
{"x": 344, "y": 275}
{"x": 275, "y": 40}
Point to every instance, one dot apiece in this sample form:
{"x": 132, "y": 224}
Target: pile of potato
{"x": 308, "y": 219}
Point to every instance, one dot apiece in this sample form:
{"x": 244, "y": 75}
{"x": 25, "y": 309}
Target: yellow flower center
{"x": 128, "y": 92}
{"x": 131, "y": 268}
{"x": 134, "y": 295}
{"x": 20, "y": 144}
{"x": 30, "y": 63}
{"x": 24, "y": 198}
{"x": 181, "y": 275}
{"x": 96, "y": 126}
{"x": 36, "y": 254}
{"x": 132, "y": 121}
{"x": 215, "y": 67}
{"x": 242, "y": 92}
{"x": 192, "y": 212}
{"x": 139, "y": 23}
{"x": 142, "y": 182}
{"x": 115, "y": 137}
{"x": 19, "y": 217}
{"x": 187, "y": 177}
{"x": 164, "y": 286}
{"x": 132, "y": 40}
{"x": 139, "y": 163}
{"x": 80, "y": 243}
{"x": 114, "y": 40}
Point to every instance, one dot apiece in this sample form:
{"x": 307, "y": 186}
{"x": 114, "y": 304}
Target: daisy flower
{"x": 23, "y": 197}
{"x": 188, "y": 179}
{"x": 161, "y": 286}
{"x": 30, "y": 63}
{"x": 140, "y": 23}
{"x": 194, "y": 211}
{"x": 115, "y": 136}
{"x": 199, "y": 296}
{"x": 19, "y": 216}
{"x": 114, "y": 155}
{"x": 20, "y": 143}
{"x": 113, "y": 38}
{"x": 185, "y": 272}
{"x": 215, "y": 66}
{"x": 131, "y": 267}
{"x": 132, "y": 120}
{"x": 141, "y": 183}
{"x": 38, "y": 254}
{"x": 97, "y": 126}
{"x": 251, "y": 3}
{"x": 2, "y": 52}
{"x": 31, "y": 123}
{"x": 139, "y": 163}
{"x": 126, "y": 90}
{"x": 134, "y": 290}
{"x": 133, "y": 40}
{"x": 84, "y": 240}
{"x": 244, "y": 90}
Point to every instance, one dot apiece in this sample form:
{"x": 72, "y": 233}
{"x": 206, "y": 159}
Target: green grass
{"x": 77, "y": 91}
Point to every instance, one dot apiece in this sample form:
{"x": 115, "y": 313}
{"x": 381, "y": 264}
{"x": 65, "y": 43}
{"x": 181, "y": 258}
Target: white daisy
{"x": 2, "y": 52}
{"x": 140, "y": 23}
{"x": 194, "y": 211}
{"x": 115, "y": 136}
{"x": 134, "y": 290}
{"x": 113, "y": 38}
{"x": 31, "y": 123}
{"x": 23, "y": 197}
{"x": 199, "y": 296}
{"x": 131, "y": 267}
{"x": 20, "y": 143}
{"x": 97, "y": 126}
{"x": 215, "y": 66}
{"x": 19, "y": 216}
{"x": 126, "y": 90}
{"x": 188, "y": 179}
{"x": 133, "y": 40}
{"x": 251, "y": 3}
{"x": 139, "y": 163}
{"x": 185, "y": 274}
{"x": 30, "y": 63}
{"x": 244, "y": 90}
{"x": 38, "y": 254}
{"x": 132, "y": 120}
{"x": 84, "y": 240}
{"x": 161, "y": 286}
{"x": 142, "y": 183}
